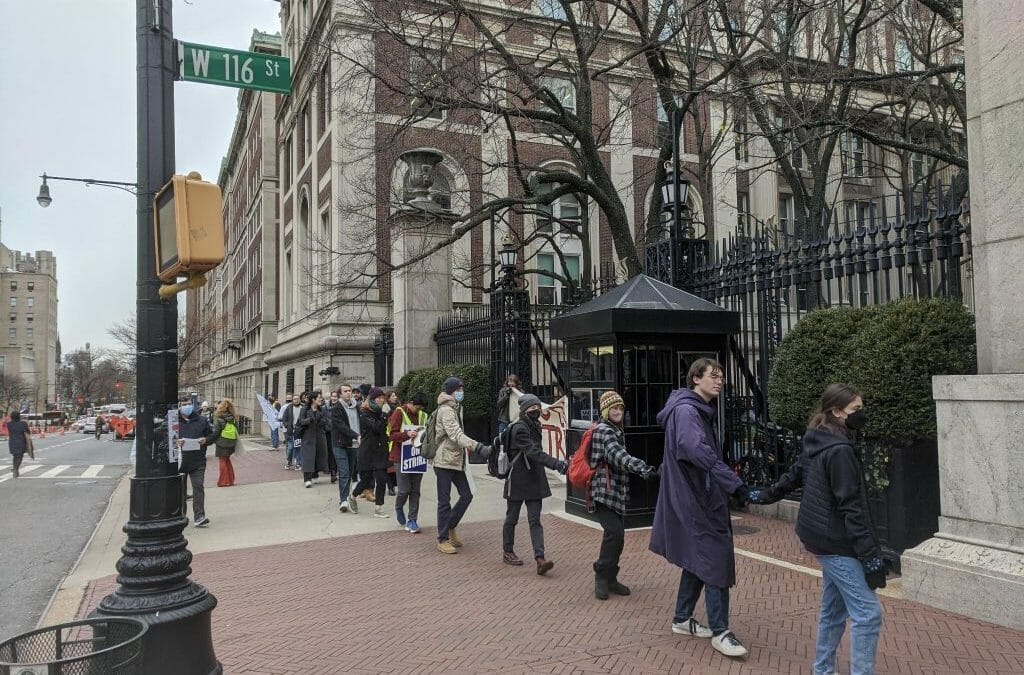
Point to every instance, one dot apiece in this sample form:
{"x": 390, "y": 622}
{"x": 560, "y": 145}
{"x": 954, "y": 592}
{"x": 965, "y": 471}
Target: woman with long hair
{"x": 834, "y": 525}
{"x": 225, "y": 431}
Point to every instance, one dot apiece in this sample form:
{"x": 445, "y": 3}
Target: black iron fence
{"x": 877, "y": 256}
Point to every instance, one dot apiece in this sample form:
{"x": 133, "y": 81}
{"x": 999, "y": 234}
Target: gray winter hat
{"x": 527, "y": 400}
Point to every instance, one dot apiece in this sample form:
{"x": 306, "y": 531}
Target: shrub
{"x": 476, "y": 377}
{"x": 889, "y": 352}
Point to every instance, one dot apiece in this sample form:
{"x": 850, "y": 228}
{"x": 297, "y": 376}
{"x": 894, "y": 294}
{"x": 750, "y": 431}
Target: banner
{"x": 412, "y": 460}
{"x": 269, "y": 414}
{"x": 554, "y": 420}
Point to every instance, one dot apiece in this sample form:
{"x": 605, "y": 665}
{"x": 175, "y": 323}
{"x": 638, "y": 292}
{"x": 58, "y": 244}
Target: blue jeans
{"x": 275, "y": 437}
{"x": 345, "y": 458}
{"x": 716, "y": 599}
{"x": 292, "y": 456}
{"x": 845, "y": 593}
{"x": 448, "y": 517}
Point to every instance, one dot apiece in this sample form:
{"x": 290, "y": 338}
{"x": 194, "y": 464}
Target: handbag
{"x": 28, "y": 445}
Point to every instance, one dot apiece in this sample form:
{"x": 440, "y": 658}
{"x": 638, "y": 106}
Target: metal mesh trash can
{"x": 106, "y": 646}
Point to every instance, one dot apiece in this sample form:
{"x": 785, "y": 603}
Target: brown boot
{"x": 544, "y": 566}
{"x": 369, "y": 496}
{"x": 510, "y": 558}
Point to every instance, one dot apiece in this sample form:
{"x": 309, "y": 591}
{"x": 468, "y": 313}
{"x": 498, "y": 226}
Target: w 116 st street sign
{"x": 233, "y": 68}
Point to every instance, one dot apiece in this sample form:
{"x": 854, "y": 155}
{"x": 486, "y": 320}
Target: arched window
{"x": 305, "y": 272}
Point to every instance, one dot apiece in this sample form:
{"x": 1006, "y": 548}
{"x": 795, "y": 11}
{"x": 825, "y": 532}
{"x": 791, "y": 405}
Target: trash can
{"x": 107, "y": 646}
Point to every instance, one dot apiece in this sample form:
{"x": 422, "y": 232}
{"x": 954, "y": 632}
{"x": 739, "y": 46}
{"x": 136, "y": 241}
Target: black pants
{"x": 332, "y": 464}
{"x": 508, "y": 530}
{"x": 614, "y": 525}
{"x": 376, "y": 480}
{"x": 17, "y": 462}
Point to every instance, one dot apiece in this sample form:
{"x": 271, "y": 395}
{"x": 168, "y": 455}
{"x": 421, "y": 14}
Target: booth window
{"x": 592, "y": 372}
{"x": 646, "y": 381}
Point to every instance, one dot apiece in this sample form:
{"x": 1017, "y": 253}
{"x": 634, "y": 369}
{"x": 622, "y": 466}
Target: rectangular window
{"x": 552, "y": 9}
{"x": 308, "y": 379}
{"x": 14, "y": 317}
{"x": 563, "y": 90}
{"x": 740, "y": 132}
{"x": 858, "y": 213}
{"x": 855, "y": 156}
{"x": 673, "y": 23}
{"x": 307, "y": 133}
{"x": 778, "y": 29}
{"x": 786, "y": 215}
{"x": 289, "y": 381}
{"x": 565, "y": 211}
{"x": 28, "y": 317}
{"x": 546, "y": 284}
{"x": 31, "y": 302}
{"x": 742, "y": 211}
{"x": 665, "y": 126}
{"x": 425, "y": 82}
{"x": 917, "y": 167}
{"x": 325, "y": 99}
{"x": 14, "y": 302}
{"x": 12, "y": 333}
{"x": 14, "y": 285}
{"x": 904, "y": 60}
{"x": 29, "y": 333}
{"x": 31, "y": 286}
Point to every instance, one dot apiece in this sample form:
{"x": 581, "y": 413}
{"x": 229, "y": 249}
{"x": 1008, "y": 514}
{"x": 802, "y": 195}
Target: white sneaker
{"x": 693, "y": 628}
{"x": 379, "y": 513}
{"x": 343, "y": 507}
{"x": 728, "y": 644}
{"x": 309, "y": 483}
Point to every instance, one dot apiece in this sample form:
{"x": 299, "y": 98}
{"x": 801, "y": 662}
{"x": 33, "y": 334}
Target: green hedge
{"x": 477, "y": 379}
{"x": 889, "y": 352}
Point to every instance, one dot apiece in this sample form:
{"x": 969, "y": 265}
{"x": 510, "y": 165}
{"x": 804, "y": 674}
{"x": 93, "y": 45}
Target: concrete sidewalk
{"x": 305, "y": 589}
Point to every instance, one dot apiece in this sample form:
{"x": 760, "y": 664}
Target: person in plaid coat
{"x": 609, "y": 491}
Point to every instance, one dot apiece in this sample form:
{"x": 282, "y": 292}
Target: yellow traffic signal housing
{"x": 188, "y": 227}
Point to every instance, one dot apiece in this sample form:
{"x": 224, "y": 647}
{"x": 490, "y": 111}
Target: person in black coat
{"x": 527, "y": 482}
{"x": 835, "y": 525}
{"x": 312, "y": 428}
{"x": 373, "y": 449}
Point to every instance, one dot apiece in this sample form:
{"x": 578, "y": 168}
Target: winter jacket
{"x": 508, "y": 404}
{"x": 342, "y": 434}
{"x": 195, "y": 426}
{"x": 612, "y": 464}
{"x": 16, "y": 431}
{"x": 373, "y": 443}
{"x": 451, "y": 452}
{"x": 833, "y": 514}
{"x": 692, "y": 528}
{"x": 225, "y": 446}
{"x": 287, "y": 418}
{"x": 402, "y": 416}
{"x": 527, "y": 478}
{"x": 313, "y": 427}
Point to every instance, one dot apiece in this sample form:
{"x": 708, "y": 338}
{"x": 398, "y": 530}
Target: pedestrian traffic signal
{"x": 188, "y": 227}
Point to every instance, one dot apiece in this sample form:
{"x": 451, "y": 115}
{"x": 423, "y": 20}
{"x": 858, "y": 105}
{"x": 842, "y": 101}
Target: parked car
{"x": 89, "y": 427}
{"x": 78, "y": 424}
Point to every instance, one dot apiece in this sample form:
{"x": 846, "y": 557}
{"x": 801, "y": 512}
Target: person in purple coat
{"x": 691, "y": 521}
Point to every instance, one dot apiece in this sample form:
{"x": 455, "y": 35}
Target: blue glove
{"x": 562, "y": 466}
{"x": 756, "y": 496}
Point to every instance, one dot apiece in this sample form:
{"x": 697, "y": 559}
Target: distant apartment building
{"x": 28, "y": 292}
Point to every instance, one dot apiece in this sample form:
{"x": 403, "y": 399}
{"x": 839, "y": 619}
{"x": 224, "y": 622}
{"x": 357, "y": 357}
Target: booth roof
{"x": 645, "y": 305}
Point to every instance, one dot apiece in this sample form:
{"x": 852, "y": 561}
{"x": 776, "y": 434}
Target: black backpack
{"x": 499, "y": 462}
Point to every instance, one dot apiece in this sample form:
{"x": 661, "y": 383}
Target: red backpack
{"x": 580, "y": 473}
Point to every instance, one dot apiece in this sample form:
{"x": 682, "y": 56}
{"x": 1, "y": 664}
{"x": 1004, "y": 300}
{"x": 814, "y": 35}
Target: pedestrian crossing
{"x": 61, "y": 471}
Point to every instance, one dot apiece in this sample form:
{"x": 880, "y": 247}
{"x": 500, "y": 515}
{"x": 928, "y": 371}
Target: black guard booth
{"x": 638, "y": 339}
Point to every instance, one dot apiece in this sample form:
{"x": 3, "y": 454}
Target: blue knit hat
{"x": 451, "y": 385}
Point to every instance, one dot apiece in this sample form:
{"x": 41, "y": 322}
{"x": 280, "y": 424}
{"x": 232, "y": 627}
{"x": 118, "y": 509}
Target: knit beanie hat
{"x": 609, "y": 400}
{"x": 451, "y": 384}
{"x": 374, "y": 393}
{"x": 527, "y": 400}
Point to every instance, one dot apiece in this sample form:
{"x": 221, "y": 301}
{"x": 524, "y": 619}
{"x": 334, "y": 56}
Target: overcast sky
{"x": 67, "y": 91}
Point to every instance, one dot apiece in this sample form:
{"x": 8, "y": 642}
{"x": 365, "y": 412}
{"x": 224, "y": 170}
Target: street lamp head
{"x": 508, "y": 255}
{"x": 668, "y": 194}
{"x": 43, "y": 197}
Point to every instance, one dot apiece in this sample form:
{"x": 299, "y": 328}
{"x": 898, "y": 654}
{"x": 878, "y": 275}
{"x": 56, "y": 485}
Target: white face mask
{"x": 459, "y": 395}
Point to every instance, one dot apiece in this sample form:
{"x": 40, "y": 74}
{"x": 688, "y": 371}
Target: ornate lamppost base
{"x": 153, "y": 582}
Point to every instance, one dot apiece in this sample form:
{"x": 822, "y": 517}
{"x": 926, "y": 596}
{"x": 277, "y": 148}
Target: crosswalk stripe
{"x": 92, "y": 471}
{"x": 55, "y": 471}
{"x": 29, "y": 468}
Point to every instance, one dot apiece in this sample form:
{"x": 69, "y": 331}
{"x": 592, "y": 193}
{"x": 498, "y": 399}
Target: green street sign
{"x": 233, "y": 68}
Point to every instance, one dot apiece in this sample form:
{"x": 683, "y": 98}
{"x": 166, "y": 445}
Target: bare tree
{"x": 13, "y": 390}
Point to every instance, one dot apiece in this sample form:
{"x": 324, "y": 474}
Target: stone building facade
{"x": 344, "y": 179}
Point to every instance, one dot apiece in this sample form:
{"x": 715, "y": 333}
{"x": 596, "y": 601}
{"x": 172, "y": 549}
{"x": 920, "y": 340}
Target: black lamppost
{"x": 511, "y": 330}
{"x": 508, "y": 256}
{"x": 686, "y": 249}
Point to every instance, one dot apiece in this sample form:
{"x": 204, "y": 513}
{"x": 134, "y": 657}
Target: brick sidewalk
{"x": 257, "y": 464}
{"x": 388, "y": 603}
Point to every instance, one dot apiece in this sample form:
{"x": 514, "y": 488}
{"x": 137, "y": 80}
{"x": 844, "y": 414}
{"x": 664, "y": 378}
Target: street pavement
{"x": 303, "y": 588}
{"x": 48, "y": 516}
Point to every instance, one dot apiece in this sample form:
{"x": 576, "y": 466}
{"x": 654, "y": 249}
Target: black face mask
{"x": 856, "y": 420}
{"x": 534, "y": 415}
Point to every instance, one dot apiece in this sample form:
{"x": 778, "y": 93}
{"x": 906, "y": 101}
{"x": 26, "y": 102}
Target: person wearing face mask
{"x": 835, "y": 525}
{"x": 192, "y": 425}
{"x": 527, "y": 483}
{"x": 313, "y": 426}
{"x": 450, "y": 464}
{"x": 373, "y": 449}
{"x": 609, "y": 491}
{"x": 692, "y": 527}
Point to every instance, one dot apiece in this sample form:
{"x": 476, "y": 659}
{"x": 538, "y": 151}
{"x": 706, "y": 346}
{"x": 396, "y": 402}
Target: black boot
{"x": 614, "y": 586}
{"x": 600, "y": 584}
